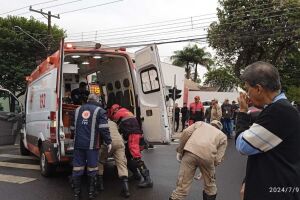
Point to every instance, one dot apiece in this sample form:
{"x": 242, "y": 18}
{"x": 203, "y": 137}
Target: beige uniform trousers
{"x": 118, "y": 153}
{"x": 189, "y": 163}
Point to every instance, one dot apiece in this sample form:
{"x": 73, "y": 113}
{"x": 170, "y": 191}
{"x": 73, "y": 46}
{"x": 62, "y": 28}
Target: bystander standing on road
{"x": 177, "y": 113}
{"x": 196, "y": 111}
{"x": 227, "y": 113}
{"x": 216, "y": 111}
{"x": 207, "y": 114}
{"x": 202, "y": 146}
{"x": 184, "y": 115}
{"x": 272, "y": 142}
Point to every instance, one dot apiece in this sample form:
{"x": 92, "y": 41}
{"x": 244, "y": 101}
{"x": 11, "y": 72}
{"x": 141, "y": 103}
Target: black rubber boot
{"x": 132, "y": 166}
{"x": 76, "y": 185}
{"x": 99, "y": 183}
{"x": 91, "y": 186}
{"x": 209, "y": 197}
{"x": 125, "y": 187}
{"x": 147, "y": 182}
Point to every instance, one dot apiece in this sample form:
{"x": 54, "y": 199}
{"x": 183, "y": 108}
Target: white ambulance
{"x": 134, "y": 84}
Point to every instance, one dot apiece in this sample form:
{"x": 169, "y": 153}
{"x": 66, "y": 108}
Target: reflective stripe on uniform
{"x": 103, "y": 126}
{"x": 93, "y": 127}
{"x": 92, "y": 169}
{"x": 72, "y": 127}
{"x": 76, "y": 117}
{"x": 78, "y": 168}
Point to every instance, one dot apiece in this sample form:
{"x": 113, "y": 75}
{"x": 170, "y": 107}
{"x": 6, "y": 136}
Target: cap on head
{"x": 93, "y": 97}
{"x": 217, "y": 124}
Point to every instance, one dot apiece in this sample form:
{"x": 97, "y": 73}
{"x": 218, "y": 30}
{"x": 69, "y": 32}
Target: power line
{"x": 186, "y": 18}
{"x": 160, "y": 24}
{"x": 255, "y": 19}
{"x": 103, "y": 4}
{"x": 27, "y": 7}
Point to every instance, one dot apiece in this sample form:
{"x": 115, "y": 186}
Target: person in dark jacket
{"x": 272, "y": 142}
{"x": 227, "y": 113}
{"x": 90, "y": 122}
{"x": 177, "y": 112}
{"x": 133, "y": 135}
{"x": 80, "y": 95}
{"x": 184, "y": 115}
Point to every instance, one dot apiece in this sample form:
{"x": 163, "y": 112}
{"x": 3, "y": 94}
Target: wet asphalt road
{"x": 163, "y": 168}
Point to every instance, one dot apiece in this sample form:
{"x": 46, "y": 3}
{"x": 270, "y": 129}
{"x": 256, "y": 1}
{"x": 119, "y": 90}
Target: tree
{"x": 248, "y": 31}
{"x": 221, "y": 78}
{"x": 202, "y": 58}
{"x": 19, "y": 53}
{"x": 191, "y": 57}
{"x": 184, "y": 58}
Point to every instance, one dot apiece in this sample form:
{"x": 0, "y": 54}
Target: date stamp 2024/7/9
{"x": 284, "y": 189}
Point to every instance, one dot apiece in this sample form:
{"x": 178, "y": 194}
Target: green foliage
{"x": 248, "y": 31}
{"x": 19, "y": 53}
{"x": 293, "y": 93}
{"x": 190, "y": 57}
{"x": 221, "y": 78}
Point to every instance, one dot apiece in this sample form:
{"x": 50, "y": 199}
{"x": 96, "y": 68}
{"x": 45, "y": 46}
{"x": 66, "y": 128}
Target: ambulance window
{"x": 150, "y": 81}
{"x": 4, "y": 101}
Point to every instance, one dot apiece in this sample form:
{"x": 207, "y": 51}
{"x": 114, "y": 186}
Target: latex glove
{"x": 109, "y": 148}
{"x": 178, "y": 157}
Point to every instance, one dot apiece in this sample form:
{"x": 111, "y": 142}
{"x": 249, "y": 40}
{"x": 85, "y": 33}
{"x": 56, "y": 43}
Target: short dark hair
{"x": 82, "y": 84}
{"x": 262, "y": 73}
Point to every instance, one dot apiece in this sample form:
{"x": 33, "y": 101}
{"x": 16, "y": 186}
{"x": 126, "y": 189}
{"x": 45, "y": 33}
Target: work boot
{"x": 99, "y": 183}
{"x": 135, "y": 175}
{"x": 147, "y": 182}
{"x": 209, "y": 197}
{"x": 125, "y": 188}
{"x": 76, "y": 185}
{"x": 91, "y": 187}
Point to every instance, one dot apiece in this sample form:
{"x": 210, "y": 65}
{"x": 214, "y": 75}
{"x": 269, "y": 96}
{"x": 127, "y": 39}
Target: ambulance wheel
{"x": 47, "y": 169}
{"x": 23, "y": 150}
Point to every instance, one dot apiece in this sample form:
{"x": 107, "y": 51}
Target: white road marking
{"x": 15, "y": 179}
{"x": 19, "y": 166}
{"x": 18, "y": 156}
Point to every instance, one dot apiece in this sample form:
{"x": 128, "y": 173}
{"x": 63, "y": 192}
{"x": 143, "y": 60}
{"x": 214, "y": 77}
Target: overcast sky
{"x": 119, "y": 14}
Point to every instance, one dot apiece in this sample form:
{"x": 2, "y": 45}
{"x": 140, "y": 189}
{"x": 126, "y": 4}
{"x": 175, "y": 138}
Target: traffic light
{"x": 174, "y": 93}
{"x": 177, "y": 94}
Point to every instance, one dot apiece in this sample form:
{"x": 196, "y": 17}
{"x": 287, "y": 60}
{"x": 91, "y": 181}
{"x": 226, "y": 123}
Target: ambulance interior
{"x": 107, "y": 75}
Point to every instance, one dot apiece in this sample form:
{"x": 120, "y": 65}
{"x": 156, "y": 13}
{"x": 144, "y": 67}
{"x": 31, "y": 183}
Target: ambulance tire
{"x": 23, "y": 150}
{"x": 46, "y": 168}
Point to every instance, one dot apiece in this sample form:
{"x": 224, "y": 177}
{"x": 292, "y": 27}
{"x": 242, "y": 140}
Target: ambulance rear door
{"x": 151, "y": 95}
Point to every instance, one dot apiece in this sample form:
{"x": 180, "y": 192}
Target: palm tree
{"x": 202, "y": 58}
{"x": 185, "y": 58}
{"x": 190, "y": 57}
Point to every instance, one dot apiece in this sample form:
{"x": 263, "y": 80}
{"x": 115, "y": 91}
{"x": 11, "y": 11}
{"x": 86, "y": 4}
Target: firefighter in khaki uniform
{"x": 89, "y": 122}
{"x": 118, "y": 153}
{"x": 201, "y": 145}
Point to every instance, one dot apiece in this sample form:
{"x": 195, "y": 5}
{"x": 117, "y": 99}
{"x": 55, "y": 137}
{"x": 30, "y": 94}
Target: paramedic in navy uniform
{"x": 272, "y": 143}
{"x": 79, "y": 96}
{"x": 91, "y": 127}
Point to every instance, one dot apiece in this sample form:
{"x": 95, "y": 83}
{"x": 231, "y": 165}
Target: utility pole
{"x": 48, "y": 16}
{"x": 173, "y": 110}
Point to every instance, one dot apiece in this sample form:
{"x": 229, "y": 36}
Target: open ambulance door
{"x": 60, "y": 136}
{"x": 151, "y": 95}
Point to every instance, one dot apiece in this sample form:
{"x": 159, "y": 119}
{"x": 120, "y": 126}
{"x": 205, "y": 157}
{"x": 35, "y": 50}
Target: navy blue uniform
{"x": 90, "y": 125}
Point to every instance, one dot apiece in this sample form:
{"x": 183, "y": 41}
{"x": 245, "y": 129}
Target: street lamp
{"x": 19, "y": 28}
